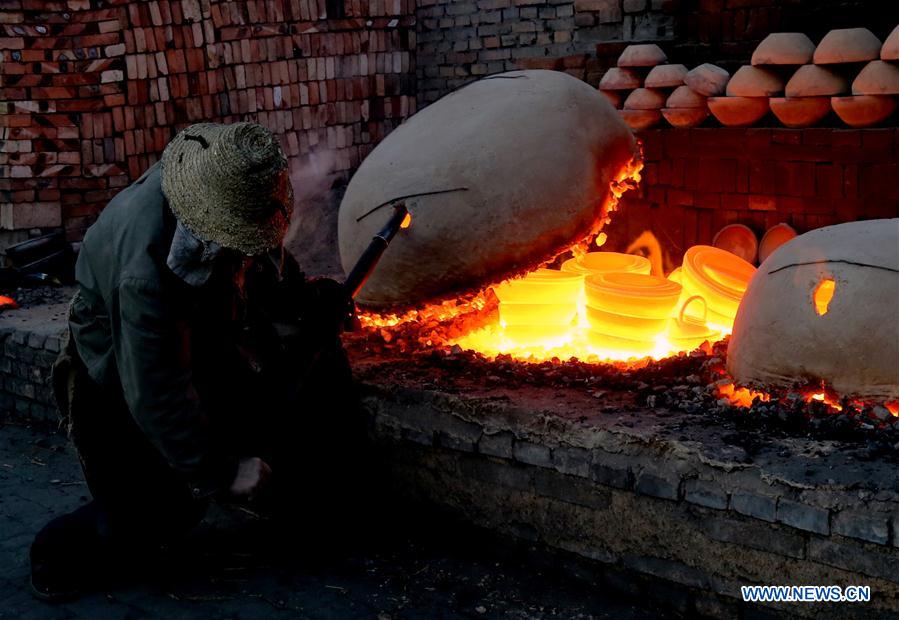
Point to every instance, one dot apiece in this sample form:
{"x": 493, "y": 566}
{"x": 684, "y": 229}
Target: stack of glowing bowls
{"x": 628, "y": 312}
{"x": 540, "y": 308}
{"x": 688, "y": 331}
{"x": 720, "y": 278}
{"x": 606, "y": 262}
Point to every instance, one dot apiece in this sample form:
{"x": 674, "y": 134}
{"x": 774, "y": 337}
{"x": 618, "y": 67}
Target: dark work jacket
{"x": 135, "y": 326}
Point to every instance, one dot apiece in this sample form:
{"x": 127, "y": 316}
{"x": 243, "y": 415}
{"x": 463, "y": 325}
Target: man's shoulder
{"x": 135, "y": 216}
{"x": 131, "y": 230}
{"x": 139, "y": 203}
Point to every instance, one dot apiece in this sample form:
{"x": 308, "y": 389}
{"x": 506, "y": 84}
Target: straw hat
{"x": 784, "y": 48}
{"x": 229, "y": 184}
{"x": 847, "y": 45}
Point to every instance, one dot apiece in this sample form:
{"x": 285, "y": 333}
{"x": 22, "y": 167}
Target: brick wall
{"x": 459, "y": 41}
{"x": 727, "y": 31}
{"x": 698, "y": 180}
{"x": 92, "y": 90}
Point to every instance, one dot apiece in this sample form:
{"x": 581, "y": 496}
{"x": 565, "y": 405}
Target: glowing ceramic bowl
{"x": 632, "y": 294}
{"x": 544, "y": 286}
{"x": 719, "y": 277}
{"x": 606, "y": 262}
{"x": 537, "y": 314}
{"x": 773, "y": 238}
{"x": 628, "y": 310}
{"x": 623, "y": 326}
{"x": 543, "y": 297}
{"x": 688, "y": 331}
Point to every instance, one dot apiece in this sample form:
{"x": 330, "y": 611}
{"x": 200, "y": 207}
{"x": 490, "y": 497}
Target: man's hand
{"x": 328, "y": 308}
{"x": 252, "y": 476}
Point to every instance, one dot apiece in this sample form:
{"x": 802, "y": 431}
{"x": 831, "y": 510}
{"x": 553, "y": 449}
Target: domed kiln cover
{"x": 823, "y": 307}
{"x": 535, "y": 152}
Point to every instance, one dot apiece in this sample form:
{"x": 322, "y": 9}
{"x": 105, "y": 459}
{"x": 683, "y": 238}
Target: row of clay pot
{"x": 741, "y": 240}
{"x": 811, "y": 92}
{"x": 664, "y": 90}
{"x": 738, "y": 111}
{"x": 803, "y": 97}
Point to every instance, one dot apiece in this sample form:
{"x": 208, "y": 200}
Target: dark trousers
{"x": 139, "y": 497}
{"x": 302, "y": 418}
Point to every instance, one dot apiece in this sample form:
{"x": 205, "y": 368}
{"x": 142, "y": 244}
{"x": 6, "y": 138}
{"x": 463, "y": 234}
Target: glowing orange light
{"x": 741, "y": 397}
{"x": 893, "y": 408}
{"x": 628, "y": 310}
{"x": 720, "y": 278}
{"x": 7, "y": 302}
{"x": 557, "y": 314}
{"x": 689, "y": 331}
{"x": 824, "y": 397}
{"x": 543, "y": 304}
{"x": 407, "y": 221}
{"x": 606, "y": 262}
{"x": 822, "y": 295}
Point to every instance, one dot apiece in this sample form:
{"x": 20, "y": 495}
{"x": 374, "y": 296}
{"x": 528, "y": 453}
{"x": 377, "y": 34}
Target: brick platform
{"x": 661, "y": 504}
{"x": 30, "y": 341}
{"x": 653, "y": 493}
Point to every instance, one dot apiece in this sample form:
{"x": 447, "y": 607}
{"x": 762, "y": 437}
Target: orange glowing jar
{"x": 541, "y": 305}
{"x": 629, "y": 311}
{"x": 606, "y": 262}
{"x": 720, "y": 278}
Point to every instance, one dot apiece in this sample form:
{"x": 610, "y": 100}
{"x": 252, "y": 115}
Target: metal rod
{"x": 366, "y": 264}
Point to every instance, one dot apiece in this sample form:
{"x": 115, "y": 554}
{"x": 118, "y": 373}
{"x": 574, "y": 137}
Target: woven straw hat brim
{"x": 229, "y": 184}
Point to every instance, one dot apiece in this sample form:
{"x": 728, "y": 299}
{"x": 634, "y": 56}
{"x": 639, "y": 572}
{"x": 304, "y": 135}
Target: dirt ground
{"x": 422, "y": 567}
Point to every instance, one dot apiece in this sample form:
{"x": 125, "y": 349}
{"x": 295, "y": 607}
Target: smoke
{"x": 312, "y": 236}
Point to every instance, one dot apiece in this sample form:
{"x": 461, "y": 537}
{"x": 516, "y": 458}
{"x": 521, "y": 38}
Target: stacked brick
{"x": 25, "y": 367}
{"x": 92, "y": 91}
{"x": 698, "y": 180}
{"x": 461, "y": 41}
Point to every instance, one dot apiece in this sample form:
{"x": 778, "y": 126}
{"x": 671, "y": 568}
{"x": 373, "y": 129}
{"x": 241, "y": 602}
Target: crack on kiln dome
{"x": 835, "y": 260}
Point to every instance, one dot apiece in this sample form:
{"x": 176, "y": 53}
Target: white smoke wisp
{"x": 312, "y": 236}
